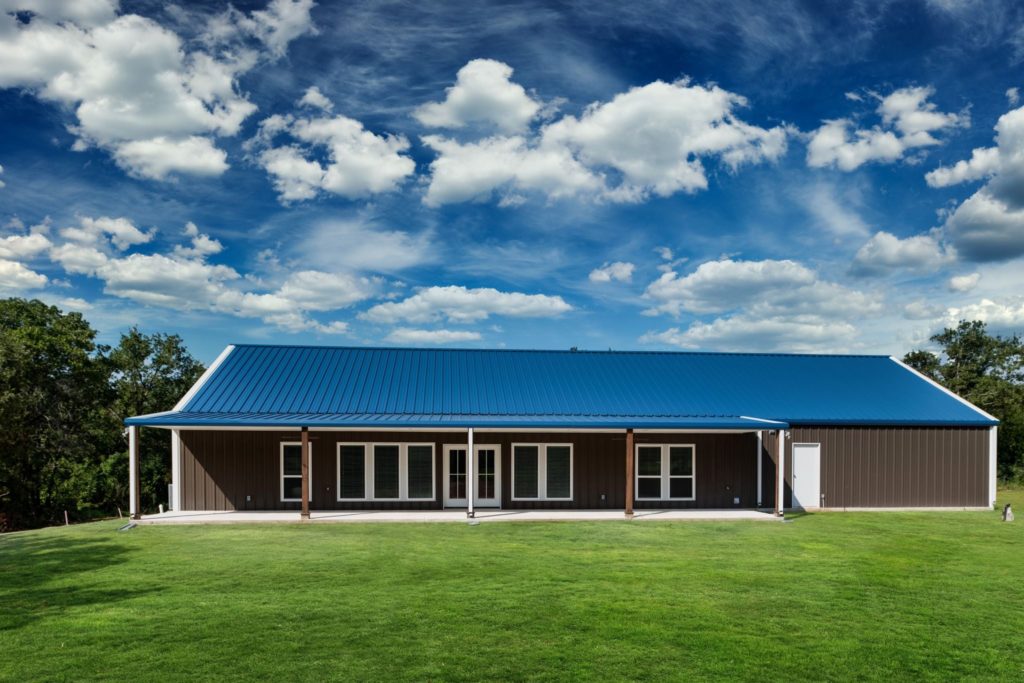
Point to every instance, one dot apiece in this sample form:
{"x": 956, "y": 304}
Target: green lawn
{"x": 935, "y": 596}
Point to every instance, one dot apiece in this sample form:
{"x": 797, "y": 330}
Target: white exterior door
{"x": 486, "y": 473}
{"x": 806, "y": 475}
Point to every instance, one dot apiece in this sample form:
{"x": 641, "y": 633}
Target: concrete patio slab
{"x": 482, "y": 516}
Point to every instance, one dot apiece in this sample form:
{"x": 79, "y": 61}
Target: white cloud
{"x": 473, "y": 171}
{"x": 360, "y": 245}
{"x": 184, "y": 280}
{"x": 2, "y": 183}
{"x": 984, "y": 162}
{"x": 408, "y": 335}
{"x": 161, "y": 156}
{"x": 764, "y": 305}
{"x": 16, "y": 277}
{"x": 483, "y": 93}
{"x": 1008, "y": 314}
{"x": 652, "y": 140}
{"x": 656, "y": 136}
{"x": 964, "y": 283}
{"x": 885, "y": 253}
{"x": 121, "y": 232}
{"x": 1013, "y": 96}
{"x": 316, "y": 99}
{"x": 989, "y": 225}
{"x": 359, "y": 162}
{"x": 202, "y": 245}
{"x": 833, "y": 208}
{"x": 909, "y": 121}
{"x": 136, "y": 88}
{"x": 746, "y": 333}
{"x": 461, "y": 305}
{"x": 23, "y": 246}
{"x": 619, "y": 270}
{"x": 985, "y": 228}
{"x": 726, "y": 284}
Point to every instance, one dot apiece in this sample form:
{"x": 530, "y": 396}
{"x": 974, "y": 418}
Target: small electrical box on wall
{"x": 736, "y": 500}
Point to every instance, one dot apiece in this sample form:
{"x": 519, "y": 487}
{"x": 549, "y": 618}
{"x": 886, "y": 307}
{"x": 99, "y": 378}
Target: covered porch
{"x": 270, "y": 473}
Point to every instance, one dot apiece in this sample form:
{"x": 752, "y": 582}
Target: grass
{"x": 875, "y": 596}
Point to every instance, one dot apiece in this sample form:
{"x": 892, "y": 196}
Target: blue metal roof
{"x": 430, "y": 388}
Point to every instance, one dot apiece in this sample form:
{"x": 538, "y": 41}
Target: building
{"x": 328, "y": 428}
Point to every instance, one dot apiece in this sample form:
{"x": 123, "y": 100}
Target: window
{"x": 665, "y": 472}
{"x": 420, "y": 469}
{"x": 291, "y": 471}
{"x": 385, "y": 471}
{"x": 351, "y": 472}
{"x": 542, "y": 471}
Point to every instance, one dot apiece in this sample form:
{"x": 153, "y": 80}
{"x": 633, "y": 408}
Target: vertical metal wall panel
{"x": 896, "y": 467}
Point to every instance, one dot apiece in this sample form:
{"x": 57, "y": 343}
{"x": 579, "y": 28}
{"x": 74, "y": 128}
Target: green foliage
{"x": 62, "y": 401}
{"x": 988, "y": 371}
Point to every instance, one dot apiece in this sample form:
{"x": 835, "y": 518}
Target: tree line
{"x": 63, "y": 399}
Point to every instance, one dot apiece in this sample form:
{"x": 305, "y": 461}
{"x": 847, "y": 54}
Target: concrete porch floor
{"x": 488, "y": 516}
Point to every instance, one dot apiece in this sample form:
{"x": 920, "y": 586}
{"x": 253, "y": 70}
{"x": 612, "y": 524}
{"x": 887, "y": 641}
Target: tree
{"x": 149, "y": 374}
{"x": 54, "y": 403}
{"x": 988, "y": 371}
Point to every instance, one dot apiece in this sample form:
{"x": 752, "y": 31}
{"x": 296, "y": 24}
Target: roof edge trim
{"x": 203, "y": 379}
{"x": 943, "y": 389}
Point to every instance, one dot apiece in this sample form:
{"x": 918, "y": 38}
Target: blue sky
{"x": 789, "y": 176}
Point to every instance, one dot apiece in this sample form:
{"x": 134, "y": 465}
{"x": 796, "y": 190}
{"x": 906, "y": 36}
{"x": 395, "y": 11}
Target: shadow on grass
{"x": 36, "y": 570}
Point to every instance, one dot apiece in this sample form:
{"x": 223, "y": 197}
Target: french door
{"x": 486, "y": 475}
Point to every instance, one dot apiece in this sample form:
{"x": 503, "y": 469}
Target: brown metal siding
{"x": 897, "y": 466}
{"x": 221, "y": 468}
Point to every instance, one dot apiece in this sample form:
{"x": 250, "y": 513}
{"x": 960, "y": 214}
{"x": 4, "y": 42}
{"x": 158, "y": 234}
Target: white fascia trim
{"x": 453, "y": 430}
{"x": 777, "y": 423}
{"x": 180, "y": 405}
{"x": 993, "y": 443}
{"x": 938, "y": 386}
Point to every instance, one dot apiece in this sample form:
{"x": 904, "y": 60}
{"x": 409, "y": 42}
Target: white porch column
{"x": 760, "y": 445}
{"x": 175, "y": 501}
{"x": 780, "y": 475}
{"x": 993, "y": 464}
{"x": 133, "y": 472}
{"x": 470, "y": 476}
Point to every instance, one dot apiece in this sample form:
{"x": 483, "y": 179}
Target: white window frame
{"x": 282, "y": 476}
{"x": 665, "y": 476}
{"x": 542, "y": 471}
{"x": 369, "y": 454}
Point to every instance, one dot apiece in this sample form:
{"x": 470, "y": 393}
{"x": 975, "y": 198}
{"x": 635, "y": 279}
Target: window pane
{"x": 293, "y": 487}
{"x": 385, "y": 472}
{"x": 457, "y": 474}
{"x": 421, "y": 472}
{"x": 680, "y": 460}
{"x": 648, "y": 487}
{"x": 558, "y": 472}
{"x": 293, "y": 460}
{"x": 485, "y": 474}
{"x": 648, "y": 460}
{"x": 353, "y": 472}
{"x": 525, "y": 472}
{"x": 680, "y": 488}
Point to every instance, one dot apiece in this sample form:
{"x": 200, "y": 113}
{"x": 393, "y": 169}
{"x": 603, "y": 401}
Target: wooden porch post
{"x": 629, "y": 473}
{"x": 133, "y": 473}
{"x": 780, "y": 474}
{"x": 760, "y": 458}
{"x": 305, "y": 473}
